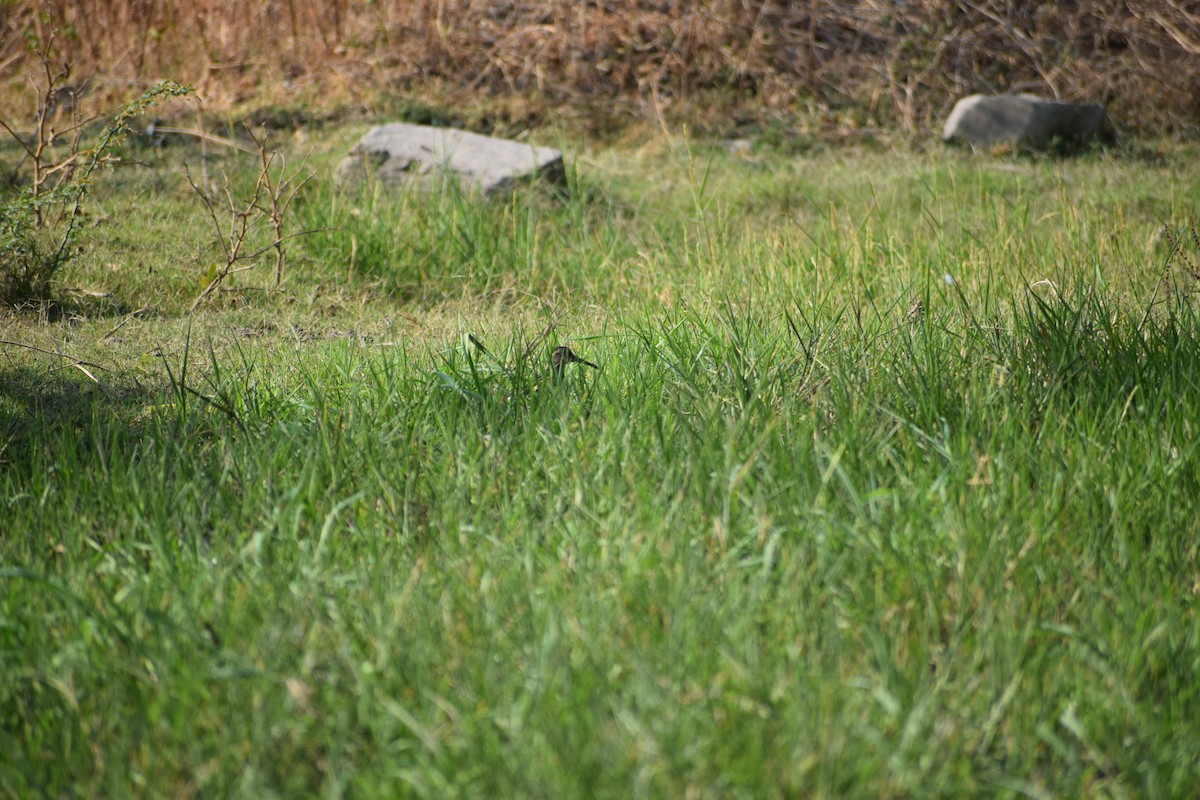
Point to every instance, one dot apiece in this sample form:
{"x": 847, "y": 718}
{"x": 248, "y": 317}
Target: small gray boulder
{"x": 1024, "y": 118}
{"x": 401, "y": 154}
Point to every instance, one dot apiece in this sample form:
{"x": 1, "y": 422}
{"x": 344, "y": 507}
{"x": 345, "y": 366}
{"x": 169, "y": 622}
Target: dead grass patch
{"x": 872, "y": 60}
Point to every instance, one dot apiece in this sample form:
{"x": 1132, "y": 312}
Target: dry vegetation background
{"x": 870, "y": 61}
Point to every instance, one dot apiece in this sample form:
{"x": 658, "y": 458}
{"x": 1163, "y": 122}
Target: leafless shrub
{"x": 50, "y": 167}
{"x": 236, "y": 222}
{"x": 38, "y": 218}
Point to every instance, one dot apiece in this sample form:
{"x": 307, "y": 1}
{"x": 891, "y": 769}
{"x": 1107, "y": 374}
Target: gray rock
{"x": 992, "y": 119}
{"x": 400, "y": 154}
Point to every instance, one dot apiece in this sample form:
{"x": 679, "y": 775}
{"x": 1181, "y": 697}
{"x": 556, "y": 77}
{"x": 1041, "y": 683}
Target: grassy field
{"x": 885, "y": 486}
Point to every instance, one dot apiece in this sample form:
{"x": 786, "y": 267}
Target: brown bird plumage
{"x": 563, "y": 355}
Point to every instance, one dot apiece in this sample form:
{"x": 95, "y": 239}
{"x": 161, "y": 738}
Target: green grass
{"x": 789, "y": 540}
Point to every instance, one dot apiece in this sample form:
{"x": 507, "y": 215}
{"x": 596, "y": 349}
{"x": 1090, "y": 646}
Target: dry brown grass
{"x": 871, "y": 60}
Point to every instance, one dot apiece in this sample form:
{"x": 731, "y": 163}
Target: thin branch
{"x": 75, "y": 362}
{"x": 205, "y": 136}
{"x": 271, "y": 197}
{"x": 121, "y": 324}
{"x": 212, "y": 212}
{"x": 17, "y": 138}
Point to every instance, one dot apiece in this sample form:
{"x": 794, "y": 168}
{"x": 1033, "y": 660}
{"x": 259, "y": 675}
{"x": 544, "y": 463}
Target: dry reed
{"x": 880, "y": 60}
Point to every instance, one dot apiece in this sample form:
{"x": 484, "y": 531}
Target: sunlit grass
{"x": 884, "y": 487}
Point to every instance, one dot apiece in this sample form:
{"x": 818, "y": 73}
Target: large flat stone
{"x": 399, "y": 155}
{"x": 1024, "y": 118}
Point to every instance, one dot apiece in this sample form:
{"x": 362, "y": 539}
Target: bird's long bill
{"x": 587, "y": 363}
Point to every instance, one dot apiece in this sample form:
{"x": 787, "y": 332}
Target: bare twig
{"x": 205, "y": 136}
{"x": 281, "y": 190}
{"x": 241, "y": 221}
{"x": 78, "y": 363}
{"x": 122, "y": 323}
{"x": 274, "y": 190}
{"x": 36, "y": 149}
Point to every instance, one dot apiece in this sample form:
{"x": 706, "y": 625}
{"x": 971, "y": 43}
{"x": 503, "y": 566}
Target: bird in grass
{"x": 563, "y": 355}
{"x": 916, "y": 311}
